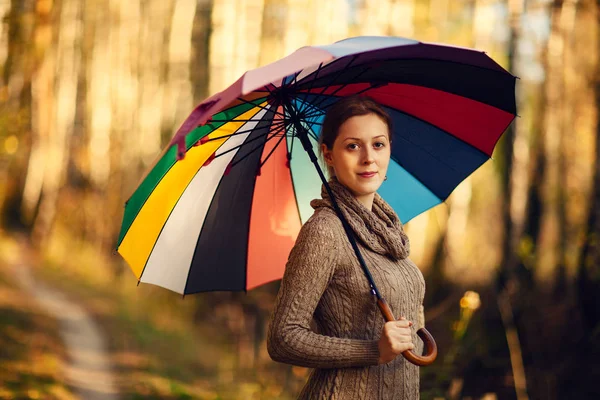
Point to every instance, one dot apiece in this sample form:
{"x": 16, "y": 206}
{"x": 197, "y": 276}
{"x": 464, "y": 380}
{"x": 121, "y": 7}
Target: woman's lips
{"x": 368, "y": 174}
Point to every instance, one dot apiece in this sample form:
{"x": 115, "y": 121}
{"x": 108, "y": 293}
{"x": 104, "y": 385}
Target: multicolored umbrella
{"x": 221, "y": 208}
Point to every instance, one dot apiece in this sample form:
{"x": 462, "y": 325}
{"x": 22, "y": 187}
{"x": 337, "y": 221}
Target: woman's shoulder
{"x": 323, "y": 222}
{"x": 325, "y": 217}
{"x": 320, "y": 235}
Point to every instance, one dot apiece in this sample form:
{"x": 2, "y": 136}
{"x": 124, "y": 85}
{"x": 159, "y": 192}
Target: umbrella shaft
{"x": 303, "y": 136}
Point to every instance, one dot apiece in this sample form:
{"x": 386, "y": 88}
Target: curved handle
{"x": 430, "y": 345}
{"x": 430, "y": 350}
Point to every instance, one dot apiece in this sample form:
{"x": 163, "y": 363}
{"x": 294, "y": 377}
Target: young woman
{"x": 354, "y": 353}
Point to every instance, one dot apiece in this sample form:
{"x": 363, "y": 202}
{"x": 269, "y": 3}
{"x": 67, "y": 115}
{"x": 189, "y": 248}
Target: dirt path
{"x": 88, "y": 369}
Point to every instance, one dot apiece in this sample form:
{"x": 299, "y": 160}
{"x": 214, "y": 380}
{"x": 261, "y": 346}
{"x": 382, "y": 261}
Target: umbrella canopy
{"x": 221, "y": 208}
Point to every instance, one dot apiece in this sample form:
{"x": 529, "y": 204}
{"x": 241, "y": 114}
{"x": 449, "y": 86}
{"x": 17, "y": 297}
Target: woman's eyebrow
{"x": 353, "y": 138}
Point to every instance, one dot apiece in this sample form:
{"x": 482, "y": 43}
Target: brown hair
{"x": 343, "y": 110}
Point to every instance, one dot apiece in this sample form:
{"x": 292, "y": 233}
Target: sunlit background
{"x": 92, "y": 90}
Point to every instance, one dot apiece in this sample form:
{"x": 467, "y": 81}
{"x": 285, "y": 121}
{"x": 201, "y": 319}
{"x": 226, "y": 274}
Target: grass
{"x": 159, "y": 345}
{"x": 31, "y": 353}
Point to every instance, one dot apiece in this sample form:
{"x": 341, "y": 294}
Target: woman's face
{"x": 360, "y": 155}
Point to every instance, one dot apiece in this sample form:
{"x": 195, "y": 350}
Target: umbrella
{"x": 222, "y": 206}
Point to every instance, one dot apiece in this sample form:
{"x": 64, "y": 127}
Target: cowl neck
{"x": 378, "y": 229}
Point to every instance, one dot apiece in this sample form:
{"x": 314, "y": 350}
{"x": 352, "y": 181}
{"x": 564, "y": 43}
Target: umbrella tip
{"x": 204, "y": 139}
{"x": 228, "y": 169}
{"x": 209, "y": 160}
{"x": 180, "y": 150}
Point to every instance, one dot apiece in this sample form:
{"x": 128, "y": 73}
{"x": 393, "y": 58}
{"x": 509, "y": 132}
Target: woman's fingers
{"x": 399, "y": 336}
{"x": 396, "y": 338}
{"x": 402, "y": 347}
{"x": 398, "y": 324}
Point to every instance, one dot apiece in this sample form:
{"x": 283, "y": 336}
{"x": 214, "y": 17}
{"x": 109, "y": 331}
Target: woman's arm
{"x": 309, "y": 269}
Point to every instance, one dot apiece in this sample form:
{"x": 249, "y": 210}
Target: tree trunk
{"x": 552, "y": 228}
{"x": 567, "y": 26}
{"x": 60, "y": 129}
{"x": 508, "y": 280}
{"x": 589, "y": 268}
{"x": 200, "y": 50}
{"x": 20, "y": 63}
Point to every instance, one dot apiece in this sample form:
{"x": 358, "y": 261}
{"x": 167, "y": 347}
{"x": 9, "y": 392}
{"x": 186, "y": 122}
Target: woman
{"x": 356, "y": 355}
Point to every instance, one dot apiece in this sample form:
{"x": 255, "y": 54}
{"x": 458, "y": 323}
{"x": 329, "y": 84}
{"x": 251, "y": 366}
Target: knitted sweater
{"x": 324, "y": 282}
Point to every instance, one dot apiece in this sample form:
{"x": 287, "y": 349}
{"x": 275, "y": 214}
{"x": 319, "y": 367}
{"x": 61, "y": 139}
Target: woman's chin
{"x": 365, "y": 189}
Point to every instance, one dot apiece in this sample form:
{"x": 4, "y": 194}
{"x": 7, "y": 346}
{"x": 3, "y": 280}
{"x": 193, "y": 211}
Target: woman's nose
{"x": 368, "y": 157}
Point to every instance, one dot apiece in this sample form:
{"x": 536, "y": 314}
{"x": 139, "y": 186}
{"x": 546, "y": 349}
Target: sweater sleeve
{"x": 310, "y": 267}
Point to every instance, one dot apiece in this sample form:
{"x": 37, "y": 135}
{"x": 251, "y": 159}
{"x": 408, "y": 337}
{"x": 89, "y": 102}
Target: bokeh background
{"x": 91, "y": 91}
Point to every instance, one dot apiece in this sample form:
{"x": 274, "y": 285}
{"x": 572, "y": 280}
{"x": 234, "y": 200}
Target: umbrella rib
{"x": 312, "y": 110}
{"x": 331, "y": 64}
{"x": 260, "y": 106}
{"x": 340, "y": 72}
{"x": 233, "y": 120}
{"x": 237, "y": 133}
{"x": 291, "y": 147}
{"x": 318, "y": 104}
{"x": 294, "y": 82}
{"x": 269, "y": 90}
{"x": 243, "y": 144}
{"x": 309, "y": 131}
{"x": 307, "y": 120}
{"x": 272, "y": 151}
{"x": 313, "y": 122}
{"x": 319, "y": 110}
{"x": 311, "y": 83}
{"x": 254, "y": 149}
{"x": 314, "y": 114}
{"x": 313, "y": 134}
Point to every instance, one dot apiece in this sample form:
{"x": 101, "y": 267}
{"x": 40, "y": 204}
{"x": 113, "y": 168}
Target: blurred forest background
{"x": 91, "y": 91}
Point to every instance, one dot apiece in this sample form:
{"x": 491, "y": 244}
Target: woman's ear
{"x": 327, "y": 155}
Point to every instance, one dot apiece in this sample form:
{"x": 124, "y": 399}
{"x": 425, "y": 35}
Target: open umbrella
{"x": 222, "y": 206}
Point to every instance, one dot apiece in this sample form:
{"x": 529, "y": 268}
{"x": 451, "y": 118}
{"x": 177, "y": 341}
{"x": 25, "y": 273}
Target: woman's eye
{"x": 379, "y": 145}
{"x": 352, "y": 146}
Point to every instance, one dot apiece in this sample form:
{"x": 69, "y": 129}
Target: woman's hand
{"x": 396, "y": 338}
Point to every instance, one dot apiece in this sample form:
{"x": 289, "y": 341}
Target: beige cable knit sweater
{"x": 323, "y": 280}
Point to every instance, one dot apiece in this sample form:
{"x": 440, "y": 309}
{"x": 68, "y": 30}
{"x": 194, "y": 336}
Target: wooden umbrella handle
{"x": 430, "y": 345}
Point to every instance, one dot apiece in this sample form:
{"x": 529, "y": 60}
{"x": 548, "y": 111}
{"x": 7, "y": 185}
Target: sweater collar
{"x": 380, "y": 229}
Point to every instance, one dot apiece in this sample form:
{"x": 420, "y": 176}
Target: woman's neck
{"x": 366, "y": 200}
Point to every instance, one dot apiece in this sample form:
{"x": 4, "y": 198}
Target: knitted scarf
{"x": 380, "y": 229}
